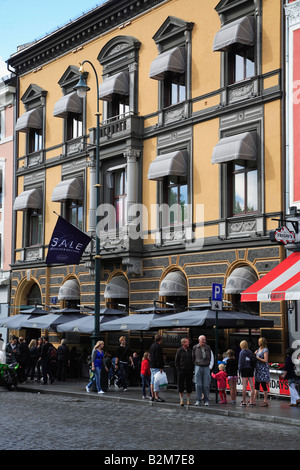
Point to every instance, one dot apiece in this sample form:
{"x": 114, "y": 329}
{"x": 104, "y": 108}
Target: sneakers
{"x": 197, "y": 403}
{"x": 87, "y": 389}
{"x": 159, "y": 400}
{"x": 206, "y": 403}
{"x": 101, "y": 391}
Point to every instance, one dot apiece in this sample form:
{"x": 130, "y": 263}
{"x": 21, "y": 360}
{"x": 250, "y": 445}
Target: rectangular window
{"x": 74, "y": 127}
{"x": 174, "y": 89}
{"x": 35, "y": 226}
{"x": 75, "y": 213}
{"x": 244, "y": 187}
{"x": 120, "y": 197}
{"x": 176, "y": 197}
{"x": 241, "y": 66}
{"x": 35, "y": 141}
{"x": 118, "y": 107}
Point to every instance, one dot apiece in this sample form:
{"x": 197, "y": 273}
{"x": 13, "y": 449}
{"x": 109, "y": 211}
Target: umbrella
{"x": 15, "y": 322}
{"x": 84, "y": 325}
{"x": 52, "y": 320}
{"x": 207, "y": 318}
{"x": 136, "y": 321}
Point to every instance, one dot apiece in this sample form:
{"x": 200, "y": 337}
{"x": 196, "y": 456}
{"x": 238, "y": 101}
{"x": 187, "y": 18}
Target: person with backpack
{"x": 46, "y": 352}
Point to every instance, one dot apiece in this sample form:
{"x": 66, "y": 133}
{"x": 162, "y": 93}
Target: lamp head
{"x": 81, "y": 87}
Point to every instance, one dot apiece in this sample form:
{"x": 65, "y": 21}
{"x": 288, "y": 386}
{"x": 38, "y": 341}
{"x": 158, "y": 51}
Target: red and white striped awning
{"x": 281, "y": 283}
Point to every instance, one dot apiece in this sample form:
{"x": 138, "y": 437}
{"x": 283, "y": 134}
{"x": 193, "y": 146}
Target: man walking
{"x": 203, "y": 359}
{"x": 156, "y": 365}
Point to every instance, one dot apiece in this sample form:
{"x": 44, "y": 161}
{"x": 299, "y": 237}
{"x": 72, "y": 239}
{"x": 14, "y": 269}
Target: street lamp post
{"x": 82, "y": 89}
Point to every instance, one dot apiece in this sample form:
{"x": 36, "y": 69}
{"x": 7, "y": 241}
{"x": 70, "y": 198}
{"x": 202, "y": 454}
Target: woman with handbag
{"x": 262, "y": 373}
{"x": 98, "y": 363}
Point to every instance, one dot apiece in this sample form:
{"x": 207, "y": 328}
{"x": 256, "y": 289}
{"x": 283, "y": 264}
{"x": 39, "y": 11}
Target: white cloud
{"x": 3, "y": 68}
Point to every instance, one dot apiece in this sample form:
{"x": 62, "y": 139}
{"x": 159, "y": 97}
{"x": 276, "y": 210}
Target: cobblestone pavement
{"x": 38, "y": 421}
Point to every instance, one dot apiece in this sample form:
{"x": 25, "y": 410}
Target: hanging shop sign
{"x": 282, "y": 235}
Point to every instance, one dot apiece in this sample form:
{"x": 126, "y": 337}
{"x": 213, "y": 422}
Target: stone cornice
{"x": 292, "y": 11}
{"x": 73, "y": 35}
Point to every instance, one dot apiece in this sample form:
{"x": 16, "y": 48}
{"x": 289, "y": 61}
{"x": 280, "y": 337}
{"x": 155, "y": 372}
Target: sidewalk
{"x": 278, "y": 410}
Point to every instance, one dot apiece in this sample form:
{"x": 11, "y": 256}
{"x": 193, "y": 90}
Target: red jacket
{"x": 145, "y": 367}
{"x": 221, "y": 379}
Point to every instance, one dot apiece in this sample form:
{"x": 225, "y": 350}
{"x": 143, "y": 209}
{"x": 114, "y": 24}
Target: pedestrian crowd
{"x": 194, "y": 367}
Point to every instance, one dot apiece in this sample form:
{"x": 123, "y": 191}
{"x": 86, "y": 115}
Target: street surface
{"x": 37, "y": 421}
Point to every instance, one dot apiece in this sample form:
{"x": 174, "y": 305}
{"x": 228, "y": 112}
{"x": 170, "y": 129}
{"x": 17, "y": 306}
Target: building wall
{"x": 221, "y": 243}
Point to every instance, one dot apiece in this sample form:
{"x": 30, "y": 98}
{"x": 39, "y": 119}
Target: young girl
{"x": 145, "y": 374}
{"x": 232, "y": 375}
{"x": 221, "y": 382}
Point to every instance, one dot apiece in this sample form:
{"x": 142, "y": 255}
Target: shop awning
{"x": 52, "y": 320}
{"x": 30, "y": 199}
{"x": 32, "y": 119}
{"x": 239, "y": 32}
{"x": 207, "y": 318}
{"x": 236, "y": 147}
{"x": 86, "y": 324}
{"x": 169, "y": 164}
{"x": 169, "y": 61}
{"x": 70, "y": 290}
{"x": 136, "y": 321}
{"x": 281, "y": 283}
{"x": 174, "y": 284}
{"x": 240, "y": 279}
{"x": 68, "y": 104}
{"x": 117, "y": 288}
{"x": 68, "y": 189}
{"x": 117, "y": 84}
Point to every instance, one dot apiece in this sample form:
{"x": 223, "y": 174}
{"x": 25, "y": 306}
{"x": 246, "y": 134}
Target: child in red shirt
{"x": 221, "y": 382}
{"x": 145, "y": 374}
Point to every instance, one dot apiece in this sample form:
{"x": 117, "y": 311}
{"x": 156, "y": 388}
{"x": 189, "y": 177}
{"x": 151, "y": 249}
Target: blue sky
{"x": 23, "y": 21}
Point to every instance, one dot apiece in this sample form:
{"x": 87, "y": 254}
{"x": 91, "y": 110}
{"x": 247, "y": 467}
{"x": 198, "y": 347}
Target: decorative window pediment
{"x": 70, "y": 78}
{"x": 33, "y": 97}
{"x": 171, "y": 33}
{"x": 118, "y": 53}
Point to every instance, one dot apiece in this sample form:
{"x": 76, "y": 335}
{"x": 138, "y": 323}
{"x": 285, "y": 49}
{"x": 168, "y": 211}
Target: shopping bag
{"x": 160, "y": 380}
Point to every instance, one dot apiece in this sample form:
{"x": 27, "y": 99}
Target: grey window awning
{"x": 117, "y": 288}
{"x": 235, "y": 34}
{"x": 30, "y": 199}
{"x": 236, "y": 147}
{"x": 70, "y": 103}
{"x": 117, "y": 84}
{"x": 32, "y": 119}
{"x": 169, "y": 61}
{"x": 68, "y": 189}
{"x": 240, "y": 279}
{"x": 169, "y": 164}
{"x": 174, "y": 284}
{"x": 70, "y": 290}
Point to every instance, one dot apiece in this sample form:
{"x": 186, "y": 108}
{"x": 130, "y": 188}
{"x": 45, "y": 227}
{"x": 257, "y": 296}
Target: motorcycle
{"x": 9, "y": 376}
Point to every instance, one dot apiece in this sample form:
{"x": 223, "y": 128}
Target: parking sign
{"x": 217, "y": 296}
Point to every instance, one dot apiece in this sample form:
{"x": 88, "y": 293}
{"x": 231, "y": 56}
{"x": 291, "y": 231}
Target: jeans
{"x": 123, "y": 374}
{"x": 97, "y": 372}
{"x": 146, "y": 382}
{"x": 153, "y": 372}
{"x": 293, "y": 392}
{"x": 202, "y": 381}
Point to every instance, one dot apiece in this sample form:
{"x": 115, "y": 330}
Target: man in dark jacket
{"x": 24, "y": 360}
{"x": 62, "y": 360}
{"x": 46, "y": 361}
{"x": 184, "y": 366}
{"x": 156, "y": 365}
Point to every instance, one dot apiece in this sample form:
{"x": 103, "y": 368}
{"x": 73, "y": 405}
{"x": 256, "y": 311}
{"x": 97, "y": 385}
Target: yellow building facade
{"x": 191, "y": 118}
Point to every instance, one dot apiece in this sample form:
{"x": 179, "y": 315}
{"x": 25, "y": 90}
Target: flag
{"x": 67, "y": 243}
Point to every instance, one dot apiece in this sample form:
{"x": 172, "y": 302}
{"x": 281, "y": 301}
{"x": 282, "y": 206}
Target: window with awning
{"x": 30, "y": 199}
{"x": 236, "y": 147}
{"x": 235, "y": 35}
{"x": 169, "y": 164}
{"x": 173, "y": 285}
{"x": 31, "y": 120}
{"x": 68, "y": 104}
{"x": 68, "y": 189}
{"x": 117, "y": 84}
{"x": 117, "y": 288}
{"x": 171, "y": 61}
